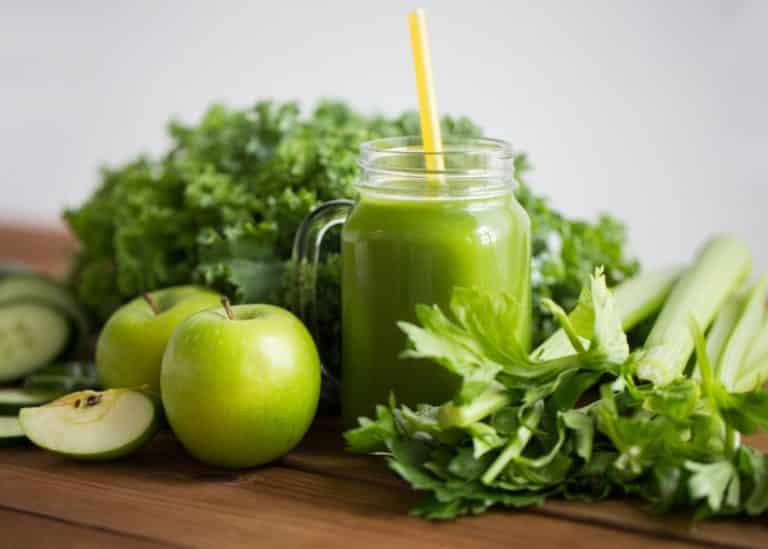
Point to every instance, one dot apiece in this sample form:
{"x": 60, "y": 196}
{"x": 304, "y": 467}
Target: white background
{"x": 656, "y": 111}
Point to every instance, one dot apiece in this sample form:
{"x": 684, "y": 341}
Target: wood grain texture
{"x": 161, "y": 495}
{"x": 322, "y": 453}
{"x": 317, "y": 496}
{"x": 21, "y": 530}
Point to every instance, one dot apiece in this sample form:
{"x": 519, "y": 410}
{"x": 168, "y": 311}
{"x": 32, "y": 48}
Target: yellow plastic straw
{"x": 430, "y": 119}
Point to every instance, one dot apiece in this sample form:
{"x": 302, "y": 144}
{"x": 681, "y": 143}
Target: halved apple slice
{"x": 93, "y": 425}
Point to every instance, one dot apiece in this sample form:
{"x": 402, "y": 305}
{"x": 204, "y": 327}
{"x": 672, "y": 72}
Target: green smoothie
{"x": 399, "y": 251}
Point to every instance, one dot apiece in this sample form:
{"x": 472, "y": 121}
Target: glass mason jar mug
{"x": 413, "y": 234}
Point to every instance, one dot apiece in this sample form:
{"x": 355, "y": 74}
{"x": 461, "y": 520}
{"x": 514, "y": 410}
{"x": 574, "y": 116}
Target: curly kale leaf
{"x": 566, "y": 251}
{"x": 222, "y": 205}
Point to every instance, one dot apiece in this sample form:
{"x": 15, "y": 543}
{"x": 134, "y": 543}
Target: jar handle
{"x": 306, "y": 255}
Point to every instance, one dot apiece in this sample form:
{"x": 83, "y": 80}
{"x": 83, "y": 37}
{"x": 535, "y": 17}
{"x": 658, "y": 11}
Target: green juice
{"x": 401, "y": 251}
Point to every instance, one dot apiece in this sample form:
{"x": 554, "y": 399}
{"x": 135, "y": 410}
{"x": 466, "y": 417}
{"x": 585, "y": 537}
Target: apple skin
{"x": 243, "y": 392}
{"x": 130, "y": 348}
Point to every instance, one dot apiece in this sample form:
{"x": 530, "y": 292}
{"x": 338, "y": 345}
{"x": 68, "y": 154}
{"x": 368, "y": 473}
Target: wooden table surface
{"x": 317, "y": 496}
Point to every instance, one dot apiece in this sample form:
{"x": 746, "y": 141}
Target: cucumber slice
{"x": 13, "y": 399}
{"x": 74, "y": 368}
{"x": 93, "y": 425}
{"x": 64, "y": 377}
{"x": 11, "y": 433}
{"x": 31, "y": 335}
{"x": 25, "y": 287}
{"x": 10, "y": 268}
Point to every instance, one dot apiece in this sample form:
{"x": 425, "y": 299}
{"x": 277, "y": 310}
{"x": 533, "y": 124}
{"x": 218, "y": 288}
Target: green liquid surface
{"x": 399, "y": 252}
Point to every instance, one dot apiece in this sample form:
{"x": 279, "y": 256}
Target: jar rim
{"x": 412, "y": 145}
{"x": 471, "y": 167}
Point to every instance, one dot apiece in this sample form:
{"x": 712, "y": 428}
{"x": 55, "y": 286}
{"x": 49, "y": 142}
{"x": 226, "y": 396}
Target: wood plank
{"x": 23, "y": 530}
{"x": 162, "y": 495}
{"x": 46, "y": 249}
{"x": 322, "y": 453}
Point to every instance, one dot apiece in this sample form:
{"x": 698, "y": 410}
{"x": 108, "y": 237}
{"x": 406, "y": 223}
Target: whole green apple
{"x": 240, "y": 385}
{"x": 130, "y": 348}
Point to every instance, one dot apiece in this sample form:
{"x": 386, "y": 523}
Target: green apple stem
{"x": 151, "y": 302}
{"x": 227, "y": 308}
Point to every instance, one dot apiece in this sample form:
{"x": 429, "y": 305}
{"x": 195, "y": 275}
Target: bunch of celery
{"x": 585, "y": 416}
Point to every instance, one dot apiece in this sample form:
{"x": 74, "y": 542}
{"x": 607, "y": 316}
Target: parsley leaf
{"x": 519, "y": 432}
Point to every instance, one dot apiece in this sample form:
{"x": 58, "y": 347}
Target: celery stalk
{"x": 723, "y": 326}
{"x": 517, "y": 443}
{"x": 720, "y": 267}
{"x": 493, "y": 400}
{"x": 759, "y": 349}
{"x": 636, "y": 299}
{"x": 754, "y": 372}
{"x": 744, "y": 333}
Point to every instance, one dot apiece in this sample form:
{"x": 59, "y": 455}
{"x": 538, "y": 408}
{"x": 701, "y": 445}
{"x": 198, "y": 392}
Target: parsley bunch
{"x": 579, "y": 424}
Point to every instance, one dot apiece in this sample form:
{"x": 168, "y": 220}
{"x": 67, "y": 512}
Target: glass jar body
{"x": 423, "y": 223}
{"x": 403, "y": 251}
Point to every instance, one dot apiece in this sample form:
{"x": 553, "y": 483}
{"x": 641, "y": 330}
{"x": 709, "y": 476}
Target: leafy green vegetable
{"x": 740, "y": 341}
{"x": 722, "y": 328}
{"x": 637, "y": 298}
{"x": 566, "y": 251}
{"x": 719, "y": 268}
{"x": 518, "y": 431}
{"x": 221, "y": 207}
{"x": 755, "y": 368}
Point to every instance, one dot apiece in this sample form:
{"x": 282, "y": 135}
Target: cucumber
{"x": 72, "y": 368}
{"x": 9, "y": 268}
{"x": 31, "y": 335}
{"x": 11, "y": 433}
{"x": 12, "y": 399}
{"x": 64, "y": 377}
{"x": 93, "y": 425}
{"x": 30, "y": 287}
